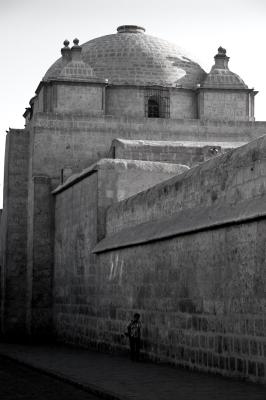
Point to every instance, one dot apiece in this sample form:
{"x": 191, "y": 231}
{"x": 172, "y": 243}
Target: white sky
{"x": 32, "y": 33}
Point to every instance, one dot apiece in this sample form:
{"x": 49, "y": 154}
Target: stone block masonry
{"x": 184, "y": 152}
{"x": 14, "y": 235}
{"x": 40, "y": 259}
{"x": 200, "y": 297}
{"x": 77, "y": 141}
{"x": 200, "y": 292}
{"x": 80, "y": 208}
{"x": 76, "y": 284}
{"x": 227, "y": 180}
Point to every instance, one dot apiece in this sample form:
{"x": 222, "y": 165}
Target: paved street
{"x": 112, "y": 376}
{"x": 20, "y": 382}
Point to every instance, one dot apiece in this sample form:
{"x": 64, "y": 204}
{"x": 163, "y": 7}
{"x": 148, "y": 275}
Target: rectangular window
{"x": 157, "y": 103}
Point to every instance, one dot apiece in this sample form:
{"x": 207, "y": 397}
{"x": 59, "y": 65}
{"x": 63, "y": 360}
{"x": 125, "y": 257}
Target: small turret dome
{"x": 220, "y": 76}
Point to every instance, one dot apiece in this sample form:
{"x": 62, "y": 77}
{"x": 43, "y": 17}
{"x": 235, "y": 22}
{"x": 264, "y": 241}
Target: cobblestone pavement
{"x": 23, "y": 383}
{"x": 118, "y": 378}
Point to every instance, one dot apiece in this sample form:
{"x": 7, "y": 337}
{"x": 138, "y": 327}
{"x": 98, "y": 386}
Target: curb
{"x": 90, "y": 388}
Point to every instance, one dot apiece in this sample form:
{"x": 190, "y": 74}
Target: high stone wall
{"x": 80, "y": 209}
{"x": 77, "y": 141}
{"x": 201, "y": 298}
{"x": 14, "y": 235}
{"x": 200, "y": 293}
{"x": 75, "y": 282}
{"x": 228, "y": 179}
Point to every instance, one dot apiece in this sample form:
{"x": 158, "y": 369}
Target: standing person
{"x": 133, "y": 332}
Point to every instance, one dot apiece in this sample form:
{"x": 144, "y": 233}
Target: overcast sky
{"x": 32, "y": 32}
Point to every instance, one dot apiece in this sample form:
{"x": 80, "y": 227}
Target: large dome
{"x": 131, "y": 57}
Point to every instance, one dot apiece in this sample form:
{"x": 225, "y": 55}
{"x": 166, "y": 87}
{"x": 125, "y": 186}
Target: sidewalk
{"x": 117, "y": 378}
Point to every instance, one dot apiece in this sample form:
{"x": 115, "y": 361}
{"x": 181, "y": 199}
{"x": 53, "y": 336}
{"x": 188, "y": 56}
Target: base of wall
{"x": 193, "y": 360}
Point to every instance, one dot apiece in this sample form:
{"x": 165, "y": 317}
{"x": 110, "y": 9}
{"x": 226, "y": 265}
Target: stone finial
{"x": 221, "y": 59}
{"x": 221, "y": 50}
{"x": 76, "y": 51}
{"x": 65, "y": 51}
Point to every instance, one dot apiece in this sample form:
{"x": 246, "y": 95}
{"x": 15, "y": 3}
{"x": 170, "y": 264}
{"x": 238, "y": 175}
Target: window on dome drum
{"x": 153, "y": 108}
{"x": 157, "y": 103}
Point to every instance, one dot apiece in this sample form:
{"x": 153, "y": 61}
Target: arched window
{"x": 153, "y": 108}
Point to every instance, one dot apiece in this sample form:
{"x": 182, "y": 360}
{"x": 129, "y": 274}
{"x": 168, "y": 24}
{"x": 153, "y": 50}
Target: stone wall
{"x": 201, "y": 298}
{"x": 80, "y": 208}
{"x": 185, "y": 152}
{"x": 188, "y": 254}
{"x": 228, "y": 179}
{"x": 14, "y": 235}
{"x": 77, "y": 141}
{"x": 225, "y": 105}
{"x": 183, "y": 104}
{"x": 125, "y": 101}
{"x": 76, "y": 285}
{"x": 79, "y": 98}
{"x": 119, "y": 179}
{"x": 130, "y": 101}
{"x": 40, "y": 243}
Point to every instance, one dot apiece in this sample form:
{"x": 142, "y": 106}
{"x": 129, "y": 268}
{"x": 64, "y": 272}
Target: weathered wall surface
{"x": 225, "y": 105}
{"x": 187, "y": 153}
{"x": 233, "y": 177}
{"x": 120, "y": 179}
{"x": 80, "y": 207}
{"x": 201, "y": 298}
{"x": 125, "y": 101}
{"x": 131, "y": 102}
{"x": 79, "y": 98}
{"x": 40, "y": 258}
{"x": 14, "y": 235}
{"x": 75, "y": 281}
{"x": 183, "y": 104}
{"x": 200, "y": 291}
{"x": 77, "y": 141}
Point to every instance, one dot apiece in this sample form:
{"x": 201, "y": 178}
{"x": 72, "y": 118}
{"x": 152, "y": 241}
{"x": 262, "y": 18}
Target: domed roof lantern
{"x": 130, "y": 29}
{"x": 76, "y": 51}
{"x": 65, "y": 51}
{"x": 221, "y": 59}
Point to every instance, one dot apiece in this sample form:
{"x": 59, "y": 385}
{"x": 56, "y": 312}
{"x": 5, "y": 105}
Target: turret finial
{"x": 65, "y": 51}
{"x": 221, "y": 59}
{"x": 221, "y": 50}
{"x": 76, "y": 51}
